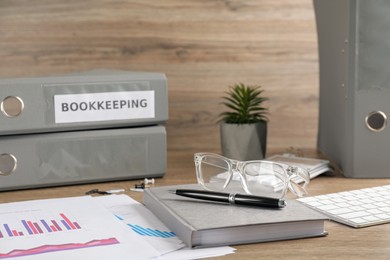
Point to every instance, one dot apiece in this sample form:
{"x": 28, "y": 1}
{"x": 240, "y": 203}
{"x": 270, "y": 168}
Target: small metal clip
{"x": 139, "y": 186}
{"x": 96, "y": 191}
{"x": 91, "y": 191}
{"x": 149, "y": 181}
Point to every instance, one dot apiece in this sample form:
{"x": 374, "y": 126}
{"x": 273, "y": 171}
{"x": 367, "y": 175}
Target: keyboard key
{"x": 358, "y": 220}
{"x": 381, "y": 204}
{"x": 327, "y": 207}
{"x": 340, "y": 211}
{"x": 356, "y": 208}
{"x": 338, "y": 200}
{"x": 308, "y": 199}
{"x": 355, "y": 214}
{"x": 371, "y": 218}
{"x": 386, "y": 209}
{"x": 383, "y": 216}
{"x": 314, "y": 203}
{"x": 374, "y": 211}
{"x": 355, "y": 203}
{"x": 326, "y": 202}
{"x": 367, "y": 201}
{"x": 343, "y": 205}
{"x": 368, "y": 206}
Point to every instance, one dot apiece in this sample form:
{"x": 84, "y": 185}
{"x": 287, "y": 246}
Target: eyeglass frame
{"x": 239, "y": 166}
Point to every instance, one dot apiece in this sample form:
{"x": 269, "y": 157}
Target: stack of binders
{"x": 81, "y": 128}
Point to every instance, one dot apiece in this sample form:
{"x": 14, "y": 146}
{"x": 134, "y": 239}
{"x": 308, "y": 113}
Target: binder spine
{"x": 41, "y": 160}
{"x": 107, "y": 99}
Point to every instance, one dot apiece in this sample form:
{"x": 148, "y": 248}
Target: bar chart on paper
{"x": 37, "y": 226}
{"x": 60, "y": 226}
{"x": 23, "y": 227}
{"x": 147, "y": 231}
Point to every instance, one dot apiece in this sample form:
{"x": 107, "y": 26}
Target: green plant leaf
{"x": 245, "y": 105}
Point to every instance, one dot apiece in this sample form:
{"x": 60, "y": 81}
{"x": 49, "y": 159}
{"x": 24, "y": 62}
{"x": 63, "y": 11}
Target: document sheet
{"x": 106, "y": 227}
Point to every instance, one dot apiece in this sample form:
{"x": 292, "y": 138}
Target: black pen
{"x": 232, "y": 198}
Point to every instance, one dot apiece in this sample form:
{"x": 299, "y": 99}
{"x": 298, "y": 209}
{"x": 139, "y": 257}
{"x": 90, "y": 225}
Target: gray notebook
{"x": 204, "y": 224}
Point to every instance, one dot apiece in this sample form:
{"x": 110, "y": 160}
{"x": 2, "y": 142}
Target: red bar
{"x": 56, "y": 225}
{"x": 53, "y": 228}
{"x": 1, "y": 235}
{"x": 15, "y": 233}
{"x": 30, "y": 224}
{"x": 20, "y": 233}
{"x": 38, "y": 228}
{"x": 77, "y": 225}
{"x": 68, "y": 221}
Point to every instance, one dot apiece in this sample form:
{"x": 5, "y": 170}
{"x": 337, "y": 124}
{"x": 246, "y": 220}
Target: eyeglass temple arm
{"x": 297, "y": 189}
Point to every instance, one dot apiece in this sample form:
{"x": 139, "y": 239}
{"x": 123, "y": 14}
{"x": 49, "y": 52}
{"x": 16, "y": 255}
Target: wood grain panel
{"x": 203, "y": 46}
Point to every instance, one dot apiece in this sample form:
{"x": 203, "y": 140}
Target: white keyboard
{"x": 356, "y": 208}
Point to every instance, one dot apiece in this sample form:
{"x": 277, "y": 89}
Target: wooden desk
{"x": 342, "y": 242}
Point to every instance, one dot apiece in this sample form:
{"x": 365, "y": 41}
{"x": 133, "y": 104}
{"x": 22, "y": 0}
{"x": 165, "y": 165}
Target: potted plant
{"x": 243, "y": 128}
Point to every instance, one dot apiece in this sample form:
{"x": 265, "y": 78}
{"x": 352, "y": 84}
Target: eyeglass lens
{"x": 214, "y": 172}
{"x": 260, "y": 178}
{"x": 265, "y": 179}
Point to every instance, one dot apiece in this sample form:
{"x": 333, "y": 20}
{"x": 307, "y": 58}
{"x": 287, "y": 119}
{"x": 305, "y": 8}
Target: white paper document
{"x": 108, "y": 227}
{"x": 140, "y": 221}
{"x": 76, "y": 228}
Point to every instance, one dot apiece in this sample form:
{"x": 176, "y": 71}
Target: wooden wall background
{"x": 203, "y": 46}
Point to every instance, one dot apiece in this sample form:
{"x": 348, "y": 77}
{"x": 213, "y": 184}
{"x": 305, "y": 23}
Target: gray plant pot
{"x": 244, "y": 141}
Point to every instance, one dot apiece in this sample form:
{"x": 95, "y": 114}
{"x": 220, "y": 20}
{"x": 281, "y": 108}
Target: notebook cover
{"x": 187, "y": 217}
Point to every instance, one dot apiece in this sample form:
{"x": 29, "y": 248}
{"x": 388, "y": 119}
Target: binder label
{"x": 87, "y": 107}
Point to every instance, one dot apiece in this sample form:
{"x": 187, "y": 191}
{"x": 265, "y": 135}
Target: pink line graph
{"x": 53, "y": 248}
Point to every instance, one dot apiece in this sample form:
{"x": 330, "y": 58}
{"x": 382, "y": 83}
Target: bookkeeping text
{"x": 104, "y": 105}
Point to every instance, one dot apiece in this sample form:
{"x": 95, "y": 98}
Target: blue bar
{"x": 137, "y": 231}
{"x": 160, "y": 233}
{"x": 119, "y": 217}
{"x": 156, "y": 233}
{"x": 170, "y": 234}
{"x": 147, "y": 231}
{"x": 151, "y": 232}
{"x": 65, "y": 224}
{"x": 141, "y": 230}
{"x": 46, "y": 225}
{"x": 8, "y": 230}
{"x": 30, "y": 232}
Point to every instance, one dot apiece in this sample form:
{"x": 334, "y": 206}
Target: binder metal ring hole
{"x": 12, "y": 106}
{"x": 7, "y": 164}
{"x": 376, "y": 121}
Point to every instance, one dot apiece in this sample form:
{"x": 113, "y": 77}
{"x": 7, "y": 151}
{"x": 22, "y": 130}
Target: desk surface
{"x": 342, "y": 242}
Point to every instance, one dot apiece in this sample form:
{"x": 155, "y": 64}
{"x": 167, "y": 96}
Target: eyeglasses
{"x": 262, "y": 178}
